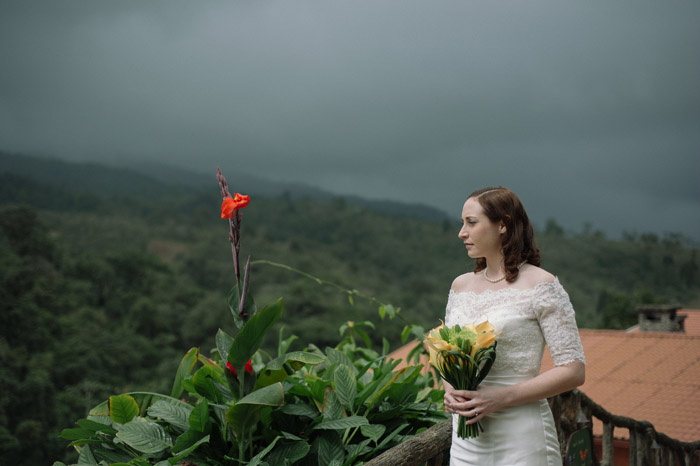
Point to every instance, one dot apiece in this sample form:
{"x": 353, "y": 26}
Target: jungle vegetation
{"x": 107, "y": 277}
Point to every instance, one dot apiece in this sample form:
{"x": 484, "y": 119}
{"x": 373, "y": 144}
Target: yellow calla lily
{"x": 484, "y": 340}
{"x": 485, "y": 327}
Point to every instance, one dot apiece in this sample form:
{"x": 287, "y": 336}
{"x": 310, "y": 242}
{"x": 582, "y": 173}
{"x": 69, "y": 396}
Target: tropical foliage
{"x": 334, "y": 407}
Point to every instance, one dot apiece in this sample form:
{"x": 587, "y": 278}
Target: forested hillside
{"x": 107, "y": 280}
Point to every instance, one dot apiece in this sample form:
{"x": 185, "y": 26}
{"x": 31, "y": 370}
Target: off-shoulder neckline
{"x": 536, "y": 286}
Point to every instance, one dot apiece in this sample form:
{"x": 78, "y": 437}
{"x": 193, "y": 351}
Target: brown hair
{"x": 502, "y": 205}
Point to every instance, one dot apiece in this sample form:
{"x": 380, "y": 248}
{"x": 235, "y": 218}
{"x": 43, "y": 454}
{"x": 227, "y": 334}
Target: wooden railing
{"x": 572, "y": 411}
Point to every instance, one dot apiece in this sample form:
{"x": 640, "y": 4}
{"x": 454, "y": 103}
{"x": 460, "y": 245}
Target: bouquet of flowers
{"x": 463, "y": 356}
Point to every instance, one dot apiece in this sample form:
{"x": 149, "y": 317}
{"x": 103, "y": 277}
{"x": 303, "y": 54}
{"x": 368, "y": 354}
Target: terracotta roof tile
{"x": 650, "y": 376}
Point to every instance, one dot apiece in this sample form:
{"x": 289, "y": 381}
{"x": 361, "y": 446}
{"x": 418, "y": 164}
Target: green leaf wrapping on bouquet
{"x": 488, "y": 356}
{"x": 184, "y": 369}
{"x": 251, "y": 336}
{"x": 122, "y": 408}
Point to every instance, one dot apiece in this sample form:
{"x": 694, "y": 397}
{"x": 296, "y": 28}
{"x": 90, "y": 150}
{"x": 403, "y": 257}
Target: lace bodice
{"x": 527, "y": 319}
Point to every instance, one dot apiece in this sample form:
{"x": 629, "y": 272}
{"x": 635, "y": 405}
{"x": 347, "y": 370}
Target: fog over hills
{"x": 156, "y": 179}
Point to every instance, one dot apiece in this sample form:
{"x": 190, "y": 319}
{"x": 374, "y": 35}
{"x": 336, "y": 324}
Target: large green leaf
{"x": 330, "y": 448}
{"x": 77, "y": 433}
{"x": 272, "y": 395}
{"x": 184, "y": 369}
{"x": 283, "y": 366}
{"x": 340, "y": 358}
{"x": 86, "y": 458}
{"x": 203, "y": 383}
{"x": 293, "y": 451}
{"x": 199, "y": 417}
{"x": 251, "y": 336}
{"x": 345, "y": 386}
{"x": 186, "y": 440}
{"x": 257, "y": 459}
{"x": 393, "y": 434}
{"x": 345, "y": 423}
{"x": 300, "y": 409}
{"x": 122, "y": 408}
{"x": 245, "y": 414}
{"x": 95, "y": 426}
{"x": 185, "y": 453}
{"x": 332, "y": 409}
{"x": 174, "y": 415}
{"x": 223, "y": 344}
{"x": 300, "y": 357}
{"x": 242, "y": 417}
{"x": 100, "y": 413}
{"x": 145, "y": 436}
{"x": 373, "y": 431}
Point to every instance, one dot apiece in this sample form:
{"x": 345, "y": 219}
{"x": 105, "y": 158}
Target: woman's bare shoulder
{"x": 464, "y": 282}
{"x": 530, "y": 275}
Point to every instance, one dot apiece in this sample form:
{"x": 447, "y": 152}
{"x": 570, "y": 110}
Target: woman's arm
{"x": 487, "y": 399}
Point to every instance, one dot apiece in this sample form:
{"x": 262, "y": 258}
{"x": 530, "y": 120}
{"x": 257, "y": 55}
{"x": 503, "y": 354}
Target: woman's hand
{"x": 485, "y": 400}
{"x": 474, "y": 405}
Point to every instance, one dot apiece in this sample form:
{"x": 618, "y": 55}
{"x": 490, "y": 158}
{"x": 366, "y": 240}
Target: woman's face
{"x": 480, "y": 235}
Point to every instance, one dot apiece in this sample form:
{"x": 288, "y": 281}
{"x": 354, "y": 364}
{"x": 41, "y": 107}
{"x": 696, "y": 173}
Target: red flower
{"x": 230, "y": 205}
{"x": 248, "y": 368}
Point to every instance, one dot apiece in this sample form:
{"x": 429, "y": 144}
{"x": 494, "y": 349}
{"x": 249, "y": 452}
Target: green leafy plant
{"x": 337, "y": 406}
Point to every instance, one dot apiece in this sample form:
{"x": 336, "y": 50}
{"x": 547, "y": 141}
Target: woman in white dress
{"x": 529, "y": 307}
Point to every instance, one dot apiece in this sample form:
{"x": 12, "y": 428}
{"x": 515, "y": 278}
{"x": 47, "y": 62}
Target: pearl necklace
{"x": 496, "y": 280}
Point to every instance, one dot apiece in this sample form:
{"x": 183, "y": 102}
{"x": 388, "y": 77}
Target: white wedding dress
{"x": 522, "y": 435}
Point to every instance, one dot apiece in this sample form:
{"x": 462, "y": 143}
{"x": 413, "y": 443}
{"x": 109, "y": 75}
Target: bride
{"x": 529, "y": 307}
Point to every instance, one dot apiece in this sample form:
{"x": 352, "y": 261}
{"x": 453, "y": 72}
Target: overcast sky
{"x": 590, "y": 111}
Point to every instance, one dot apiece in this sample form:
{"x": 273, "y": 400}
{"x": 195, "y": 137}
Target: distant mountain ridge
{"x": 160, "y": 180}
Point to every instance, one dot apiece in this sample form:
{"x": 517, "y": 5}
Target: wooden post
{"x": 633, "y": 448}
{"x": 608, "y": 444}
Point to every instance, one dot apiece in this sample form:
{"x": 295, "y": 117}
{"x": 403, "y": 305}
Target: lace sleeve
{"x": 558, "y": 323}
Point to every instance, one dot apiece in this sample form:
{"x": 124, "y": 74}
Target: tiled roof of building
{"x": 649, "y": 376}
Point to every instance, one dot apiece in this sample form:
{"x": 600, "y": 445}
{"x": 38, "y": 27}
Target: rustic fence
{"x": 572, "y": 411}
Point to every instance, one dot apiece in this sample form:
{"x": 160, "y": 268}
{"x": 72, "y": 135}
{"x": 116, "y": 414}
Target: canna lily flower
{"x": 248, "y": 368}
{"x": 229, "y": 206}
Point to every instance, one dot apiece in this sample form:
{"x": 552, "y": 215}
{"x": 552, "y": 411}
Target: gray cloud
{"x": 589, "y": 111}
